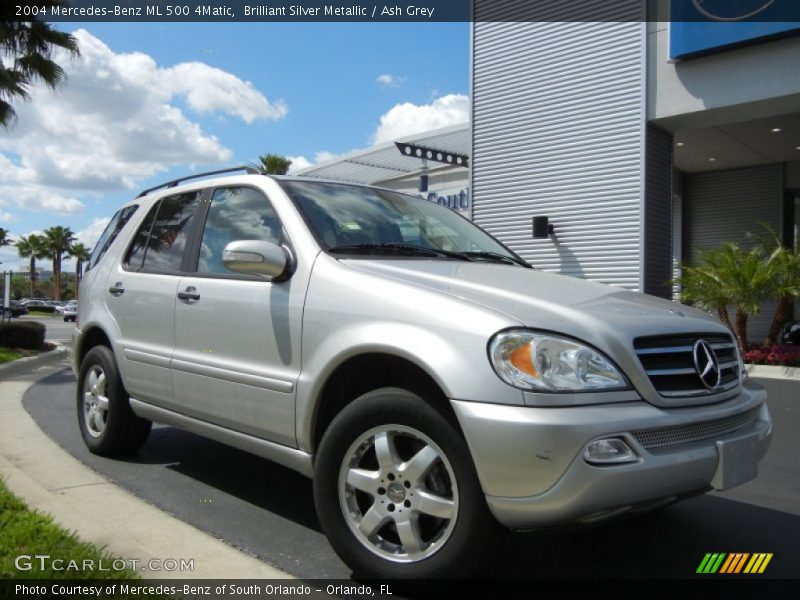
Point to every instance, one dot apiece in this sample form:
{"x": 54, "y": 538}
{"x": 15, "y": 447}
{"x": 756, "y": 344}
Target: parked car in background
{"x": 791, "y": 333}
{"x": 70, "y": 312}
{"x": 62, "y": 307}
{"x": 15, "y": 309}
{"x": 39, "y": 305}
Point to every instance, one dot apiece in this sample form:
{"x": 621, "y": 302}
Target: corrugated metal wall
{"x": 724, "y": 205}
{"x": 658, "y": 214}
{"x": 558, "y": 122}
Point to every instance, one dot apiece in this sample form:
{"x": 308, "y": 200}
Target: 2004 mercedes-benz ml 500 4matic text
{"x": 431, "y": 382}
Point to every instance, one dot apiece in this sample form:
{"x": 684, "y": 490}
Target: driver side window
{"x": 236, "y": 213}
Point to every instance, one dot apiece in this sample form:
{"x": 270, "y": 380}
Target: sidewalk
{"x": 48, "y": 479}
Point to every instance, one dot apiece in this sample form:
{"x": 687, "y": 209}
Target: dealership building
{"x": 641, "y": 142}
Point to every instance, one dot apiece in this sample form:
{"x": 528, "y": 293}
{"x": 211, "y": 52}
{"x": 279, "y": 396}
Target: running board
{"x": 294, "y": 459}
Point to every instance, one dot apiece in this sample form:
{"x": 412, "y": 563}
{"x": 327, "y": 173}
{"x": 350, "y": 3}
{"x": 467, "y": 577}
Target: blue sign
{"x": 456, "y": 199}
{"x": 704, "y": 26}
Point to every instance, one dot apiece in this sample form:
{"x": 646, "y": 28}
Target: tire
{"x": 425, "y": 468}
{"x": 108, "y": 425}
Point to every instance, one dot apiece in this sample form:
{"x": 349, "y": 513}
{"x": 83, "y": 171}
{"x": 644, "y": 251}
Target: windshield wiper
{"x": 397, "y": 247}
{"x": 497, "y": 257}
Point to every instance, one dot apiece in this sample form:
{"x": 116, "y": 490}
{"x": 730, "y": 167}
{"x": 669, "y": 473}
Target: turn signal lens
{"x": 522, "y": 359}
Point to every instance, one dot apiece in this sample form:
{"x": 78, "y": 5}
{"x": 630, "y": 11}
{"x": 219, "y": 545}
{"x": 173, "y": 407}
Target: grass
{"x": 27, "y": 532}
{"x": 7, "y": 355}
{"x": 42, "y": 313}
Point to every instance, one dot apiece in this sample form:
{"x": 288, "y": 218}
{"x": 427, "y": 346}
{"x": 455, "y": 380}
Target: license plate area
{"x": 738, "y": 462}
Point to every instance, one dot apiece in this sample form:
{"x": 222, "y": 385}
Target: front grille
{"x": 659, "y": 437}
{"x": 668, "y": 361}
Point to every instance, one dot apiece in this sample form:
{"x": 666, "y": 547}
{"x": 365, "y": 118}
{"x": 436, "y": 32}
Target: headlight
{"x": 545, "y": 362}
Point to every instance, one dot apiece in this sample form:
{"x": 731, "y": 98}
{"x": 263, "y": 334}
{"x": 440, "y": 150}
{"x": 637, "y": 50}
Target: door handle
{"x": 189, "y": 294}
{"x": 116, "y": 289}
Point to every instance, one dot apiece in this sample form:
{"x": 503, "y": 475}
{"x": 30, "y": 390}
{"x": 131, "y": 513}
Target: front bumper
{"x": 531, "y": 466}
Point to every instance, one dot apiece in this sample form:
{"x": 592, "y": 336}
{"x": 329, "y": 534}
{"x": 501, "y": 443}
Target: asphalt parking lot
{"x": 268, "y": 511}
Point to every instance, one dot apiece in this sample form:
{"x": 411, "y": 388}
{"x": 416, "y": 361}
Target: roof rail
{"x": 248, "y": 169}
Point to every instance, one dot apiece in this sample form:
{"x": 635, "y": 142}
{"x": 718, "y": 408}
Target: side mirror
{"x": 255, "y": 257}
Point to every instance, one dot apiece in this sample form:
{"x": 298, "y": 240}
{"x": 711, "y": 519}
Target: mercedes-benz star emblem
{"x": 707, "y": 365}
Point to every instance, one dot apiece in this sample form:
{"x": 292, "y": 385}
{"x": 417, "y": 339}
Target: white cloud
{"x": 301, "y": 162}
{"x": 115, "y": 122}
{"x": 208, "y": 89}
{"x": 9, "y": 260}
{"x": 298, "y": 163}
{"x": 39, "y": 198}
{"x": 7, "y": 217}
{"x": 387, "y": 80}
{"x": 89, "y": 235}
{"x": 407, "y": 118}
{"x": 324, "y": 156}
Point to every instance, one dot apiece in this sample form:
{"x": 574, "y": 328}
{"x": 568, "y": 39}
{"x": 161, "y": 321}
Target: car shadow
{"x": 667, "y": 543}
{"x": 250, "y": 478}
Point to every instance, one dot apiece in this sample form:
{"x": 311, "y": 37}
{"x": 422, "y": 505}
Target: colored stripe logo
{"x": 734, "y": 562}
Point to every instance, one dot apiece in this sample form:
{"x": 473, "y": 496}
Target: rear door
{"x": 141, "y": 294}
{"x": 237, "y": 337}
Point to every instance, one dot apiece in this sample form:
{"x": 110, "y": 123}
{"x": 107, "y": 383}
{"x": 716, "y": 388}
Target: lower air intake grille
{"x": 659, "y": 437}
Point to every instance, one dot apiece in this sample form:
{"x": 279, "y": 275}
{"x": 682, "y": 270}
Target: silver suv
{"x": 431, "y": 382}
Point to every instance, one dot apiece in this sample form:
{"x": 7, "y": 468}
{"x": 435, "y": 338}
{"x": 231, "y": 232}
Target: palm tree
{"x": 28, "y": 46}
{"x": 33, "y": 248}
{"x": 4, "y": 239}
{"x": 729, "y": 275}
{"x": 58, "y": 241}
{"x": 81, "y": 254}
{"x": 273, "y": 164}
{"x": 784, "y": 265}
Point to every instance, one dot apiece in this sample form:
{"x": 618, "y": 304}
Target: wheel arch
{"x": 368, "y": 371}
{"x": 92, "y": 336}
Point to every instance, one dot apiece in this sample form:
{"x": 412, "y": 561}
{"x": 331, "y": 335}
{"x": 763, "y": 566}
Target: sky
{"x": 148, "y": 102}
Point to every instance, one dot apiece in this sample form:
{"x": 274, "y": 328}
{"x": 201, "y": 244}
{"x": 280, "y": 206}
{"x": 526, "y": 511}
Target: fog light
{"x": 610, "y": 451}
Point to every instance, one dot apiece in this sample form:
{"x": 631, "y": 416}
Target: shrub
{"x": 22, "y": 334}
{"x": 778, "y": 354}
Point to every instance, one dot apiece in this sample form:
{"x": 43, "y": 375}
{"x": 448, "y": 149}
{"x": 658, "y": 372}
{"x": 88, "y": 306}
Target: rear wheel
{"x": 397, "y": 493}
{"x": 107, "y": 423}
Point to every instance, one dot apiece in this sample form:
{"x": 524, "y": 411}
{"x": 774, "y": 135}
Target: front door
{"x": 237, "y": 337}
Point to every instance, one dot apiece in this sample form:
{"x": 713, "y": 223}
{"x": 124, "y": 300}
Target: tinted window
{"x": 348, "y": 215}
{"x": 236, "y": 213}
{"x": 139, "y": 246}
{"x": 110, "y": 233}
{"x": 161, "y": 239}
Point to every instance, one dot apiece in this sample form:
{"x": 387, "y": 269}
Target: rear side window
{"x": 162, "y": 236}
{"x": 236, "y": 213}
{"x": 110, "y": 233}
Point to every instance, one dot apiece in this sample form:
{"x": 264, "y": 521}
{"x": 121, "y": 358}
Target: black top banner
{"x": 412, "y": 11}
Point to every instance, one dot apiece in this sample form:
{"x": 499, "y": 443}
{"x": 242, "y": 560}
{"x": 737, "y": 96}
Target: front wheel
{"x": 396, "y": 491}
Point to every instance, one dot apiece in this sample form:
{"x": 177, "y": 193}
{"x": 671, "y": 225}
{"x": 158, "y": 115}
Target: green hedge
{"x": 22, "y": 334}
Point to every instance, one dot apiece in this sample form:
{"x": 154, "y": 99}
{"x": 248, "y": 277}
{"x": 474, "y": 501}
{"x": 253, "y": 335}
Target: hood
{"x": 587, "y": 310}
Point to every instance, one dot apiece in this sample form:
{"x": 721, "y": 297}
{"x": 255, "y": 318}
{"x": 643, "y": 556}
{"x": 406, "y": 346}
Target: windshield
{"x": 348, "y": 219}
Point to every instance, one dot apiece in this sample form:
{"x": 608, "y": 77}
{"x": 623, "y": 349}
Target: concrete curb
{"x": 50, "y": 480}
{"x": 774, "y": 372}
{"x": 23, "y": 365}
